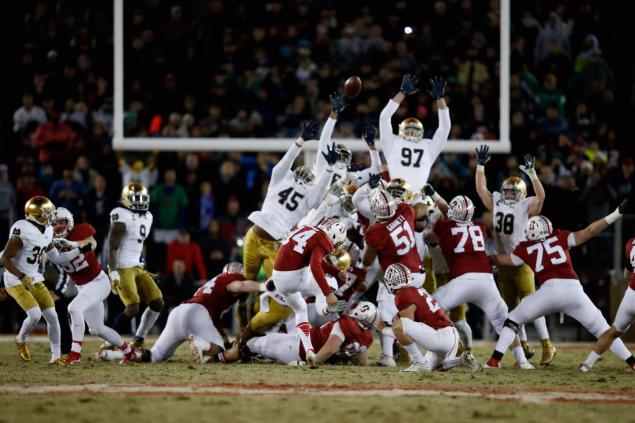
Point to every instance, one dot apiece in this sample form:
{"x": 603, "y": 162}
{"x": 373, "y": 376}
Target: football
{"x": 352, "y": 87}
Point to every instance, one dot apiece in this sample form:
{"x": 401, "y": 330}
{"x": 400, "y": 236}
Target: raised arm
{"x": 363, "y": 176}
{"x": 279, "y": 171}
{"x": 246, "y": 287}
{"x": 439, "y": 201}
{"x": 338, "y": 103}
{"x": 115, "y": 235}
{"x": 324, "y": 178}
{"x": 408, "y": 86}
{"x": 538, "y": 200}
{"x": 482, "y": 157}
{"x": 440, "y": 137}
{"x": 582, "y": 236}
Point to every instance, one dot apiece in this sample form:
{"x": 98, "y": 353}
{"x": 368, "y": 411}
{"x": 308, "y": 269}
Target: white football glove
{"x": 337, "y": 308}
{"x": 64, "y": 244}
{"x": 297, "y": 363}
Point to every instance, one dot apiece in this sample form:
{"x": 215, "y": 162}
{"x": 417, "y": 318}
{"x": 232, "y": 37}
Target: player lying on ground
{"x": 547, "y": 252}
{"x": 511, "y": 208}
{"x": 471, "y": 280}
{"x": 200, "y": 316}
{"x": 422, "y": 323}
{"x": 625, "y": 313}
{"x": 347, "y": 338}
{"x": 93, "y": 285}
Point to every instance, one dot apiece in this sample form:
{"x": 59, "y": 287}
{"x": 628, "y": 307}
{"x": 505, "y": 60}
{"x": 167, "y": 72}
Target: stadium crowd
{"x": 238, "y": 69}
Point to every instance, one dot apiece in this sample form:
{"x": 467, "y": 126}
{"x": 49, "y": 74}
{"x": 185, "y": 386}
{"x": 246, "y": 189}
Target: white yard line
{"x": 229, "y": 390}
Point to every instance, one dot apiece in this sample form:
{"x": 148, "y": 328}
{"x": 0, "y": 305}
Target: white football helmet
{"x": 233, "y": 267}
{"x": 62, "y": 213}
{"x": 397, "y": 276}
{"x": 382, "y": 204}
{"x": 303, "y": 175}
{"x": 538, "y": 228}
{"x": 461, "y": 209}
{"x": 365, "y": 313}
{"x": 335, "y": 229}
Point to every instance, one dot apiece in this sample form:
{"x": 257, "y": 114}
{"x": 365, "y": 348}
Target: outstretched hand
{"x": 331, "y": 155}
{"x": 437, "y": 87}
{"x": 373, "y": 180}
{"x": 369, "y": 135}
{"x": 409, "y": 84}
{"x": 309, "y": 130}
{"x": 338, "y": 102}
{"x": 482, "y": 155}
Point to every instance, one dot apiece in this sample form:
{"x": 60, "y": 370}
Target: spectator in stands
{"x": 548, "y": 94}
{"x": 207, "y": 206}
{"x": 54, "y": 140}
{"x": 176, "y": 286}
{"x": 98, "y": 203}
{"x": 7, "y": 201}
{"x": 216, "y": 250}
{"x": 67, "y": 192}
{"x": 184, "y": 249}
{"x": 554, "y": 31}
{"x": 168, "y": 204}
{"x": 85, "y": 174}
{"x": 140, "y": 171}
{"x": 28, "y": 115}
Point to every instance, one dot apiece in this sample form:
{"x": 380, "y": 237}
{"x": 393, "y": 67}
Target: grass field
{"x": 179, "y": 390}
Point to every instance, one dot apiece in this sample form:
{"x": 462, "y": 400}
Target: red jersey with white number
{"x": 630, "y": 261}
{"x": 428, "y": 310}
{"x": 357, "y": 340}
{"x": 85, "y": 267}
{"x": 550, "y": 258}
{"x": 463, "y": 246}
{"x": 295, "y": 252}
{"x": 394, "y": 239}
{"x": 356, "y": 277}
{"x": 215, "y": 297}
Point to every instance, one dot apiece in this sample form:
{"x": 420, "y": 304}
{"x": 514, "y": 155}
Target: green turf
{"x": 609, "y": 374}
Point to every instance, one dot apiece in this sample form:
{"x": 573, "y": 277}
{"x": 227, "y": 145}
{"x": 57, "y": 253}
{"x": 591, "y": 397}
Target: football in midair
{"x": 352, "y": 87}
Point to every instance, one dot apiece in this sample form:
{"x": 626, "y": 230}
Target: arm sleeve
{"x": 337, "y": 331}
{"x": 440, "y": 138}
{"x": 516, "y": 260}
{"x": 325, "y": 139}
{"x": 330, "y": 269}
{"x": 317, "y": 192}
{"x": 385, "y": 126}
{"x": 62, "y": 258}
{"x": 317, "y": 256}
{"x": 571, "y": 240}
{"x": 284, "y": 165}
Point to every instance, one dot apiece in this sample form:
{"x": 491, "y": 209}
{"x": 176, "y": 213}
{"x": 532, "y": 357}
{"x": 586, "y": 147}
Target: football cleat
{"x": 25, "y": 354}
{"x": 312, "y": 360}
{"x": 523, "y": 366}
{"x": 548, "y": 353}
{"x": 137, "y": 342}
{"x": 57, "y": 360}
{"x": 527, "y": 349}
{"x": 297, "y": 363}
{"x": 471, "y": 362}
{"x": 386, "y": 361}
{"x": 416, "y": 368}
{"x": 71, "y": 359}
{"x": 583, "y": 368}
{"x": 492, "y": 364}
{"x": 198, "y": 346}
{"x": 107, "y": 346}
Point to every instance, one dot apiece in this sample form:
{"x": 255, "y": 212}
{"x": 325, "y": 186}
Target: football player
{"x": 421, "y": 322}
{"x": 625, "y": 313}
{"x": 511, "y": 208}
{"x": 29, "y": 239}
{"x": 547, "y": 252}
{"x": 408, "y": 155}
{"x": 348, "y": 337}
{"x": 291, "y": 194}
{"x": 391, "y": 240}
{"x": 343, "y": 167}
{"x": 471, "y": 280}
{"x": 306, "y": 248}
{"x": 93, "y": 285}
{"x": 198, "y": 320}
{"x": 130, "y": 226}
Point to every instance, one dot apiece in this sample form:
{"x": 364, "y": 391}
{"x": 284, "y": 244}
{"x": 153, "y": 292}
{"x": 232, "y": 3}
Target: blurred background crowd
{"x": 258, "y": 69}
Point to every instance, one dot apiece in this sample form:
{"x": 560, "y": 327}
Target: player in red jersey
{"x": 547, "y": 252}
{"x": 421, "y": 322}
{"x": 625, "y": 313}
{"x": 471, "y": 280}
{"x": 93, "y": 285}
{"x": 197, "y": 320}
{"x": 391, "y": 239}
{"x": 304, "y": 248}
{"x": 348, "y": 337}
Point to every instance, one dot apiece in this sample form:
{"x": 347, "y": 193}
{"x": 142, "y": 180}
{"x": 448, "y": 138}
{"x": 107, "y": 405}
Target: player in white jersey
{"x": 408, "y": 155}
{"x": 342, "y": 168}
{"x": 28, "y": 240}
{"x": 511, "y": 209}
{"x": 337, "y": 202}
{"x": 291, "y": 194}
{"x": 130, "y": 226}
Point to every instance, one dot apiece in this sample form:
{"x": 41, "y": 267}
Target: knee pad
{"x": 511, "y": 324}
{"x": 50, "y": 313}
{"x": 93, "y": 331}
{"x": 34, "y": 313}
